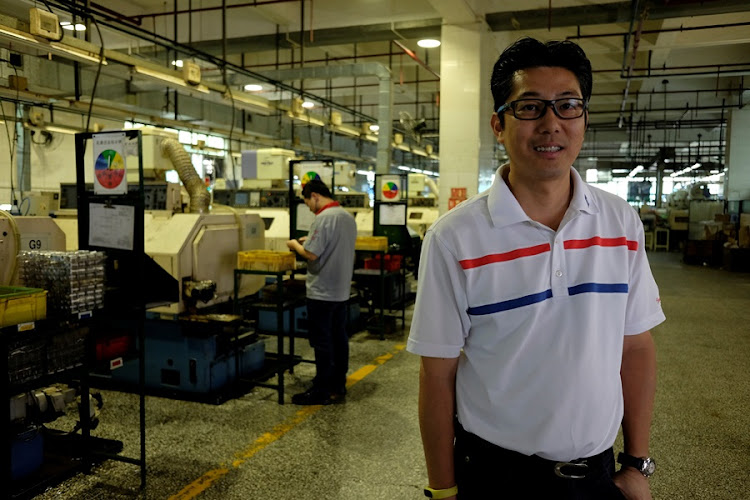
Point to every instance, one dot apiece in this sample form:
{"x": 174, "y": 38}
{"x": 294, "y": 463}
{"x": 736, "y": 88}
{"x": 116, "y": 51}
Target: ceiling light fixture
{"x": 249, "y": 102}
{"x": 67, "y": 25}
{"x": 308, "y": 105}
{"x": 177, "y": 63}
{"x": 253, "y": 87}
{"x": 78, "y": 53}
{"x": 174, "y": 79}
{"x": 428, "y": 43}
{"x": 635, "y": 171}
{"x": 4, "y": 30}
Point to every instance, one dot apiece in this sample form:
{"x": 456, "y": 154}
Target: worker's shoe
{"x": 338, "y": 397}
{"x": 312, "y": 396}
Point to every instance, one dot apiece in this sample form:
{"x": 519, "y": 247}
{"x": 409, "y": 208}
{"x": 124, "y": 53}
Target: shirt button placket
{"x": 558, "y": 281}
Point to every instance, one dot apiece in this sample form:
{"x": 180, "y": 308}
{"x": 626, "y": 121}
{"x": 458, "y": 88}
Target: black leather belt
{"x": 573, "y": 469}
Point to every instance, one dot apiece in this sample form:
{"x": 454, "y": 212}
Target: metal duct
{"x": 385, "y": 97}
{"x": 432, "y": 185}
{"x": 200, "y": 199}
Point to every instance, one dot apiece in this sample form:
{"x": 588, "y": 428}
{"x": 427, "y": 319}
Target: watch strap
{"x": 444, "y": 493}
{"x": 645, "y": 466}
{"x": 630, "y": 461}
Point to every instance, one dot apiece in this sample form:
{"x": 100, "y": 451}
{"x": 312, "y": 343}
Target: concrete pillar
{"x": 467, "y": 145}
{"x": 737, "y": 178}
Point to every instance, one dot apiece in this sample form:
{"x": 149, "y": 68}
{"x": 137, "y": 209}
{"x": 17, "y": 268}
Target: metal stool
{"x": 661, "y": 239}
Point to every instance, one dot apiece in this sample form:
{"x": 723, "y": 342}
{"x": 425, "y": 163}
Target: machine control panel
{"x": 155, "y": 195}
{"x": 253, "y": 198}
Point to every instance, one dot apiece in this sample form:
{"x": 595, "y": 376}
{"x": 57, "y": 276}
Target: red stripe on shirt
{"x": 602, "y": 242}
{"x": 504, "y": 257}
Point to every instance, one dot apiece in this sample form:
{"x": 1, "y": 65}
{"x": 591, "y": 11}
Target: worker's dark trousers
{"x": 326, "y": 324}
{"x": 484, "y": 471}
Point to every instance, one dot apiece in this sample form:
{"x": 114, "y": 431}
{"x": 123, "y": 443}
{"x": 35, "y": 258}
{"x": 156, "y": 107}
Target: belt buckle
{"x": 578, "y": 465}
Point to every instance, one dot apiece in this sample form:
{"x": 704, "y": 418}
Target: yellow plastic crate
{"x": 22, "y": 305}
{"x": 377, "y": 243}
{"x": 265, "y": 260}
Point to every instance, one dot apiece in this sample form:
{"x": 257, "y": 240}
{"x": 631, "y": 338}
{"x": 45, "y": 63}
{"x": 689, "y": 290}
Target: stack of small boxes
{"x": 457, "y": 196}
{"x": 74, "y": 280}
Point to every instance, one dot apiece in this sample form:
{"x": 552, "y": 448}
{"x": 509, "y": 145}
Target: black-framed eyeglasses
{"x": 567, "y": 108}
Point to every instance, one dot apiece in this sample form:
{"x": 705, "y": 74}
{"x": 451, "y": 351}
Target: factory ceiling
{"x": 667, "y": 73}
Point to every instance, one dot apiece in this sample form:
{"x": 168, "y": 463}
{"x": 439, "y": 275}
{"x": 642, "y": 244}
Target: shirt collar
{"x": 505, "y": 209}
{"x": 332, "y": 204}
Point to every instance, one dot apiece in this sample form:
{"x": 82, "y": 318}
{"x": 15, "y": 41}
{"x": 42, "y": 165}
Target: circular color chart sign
{"x": 109, "y": 169}
{"x": 390, "y": 190}
{"x": 309, "y": 176}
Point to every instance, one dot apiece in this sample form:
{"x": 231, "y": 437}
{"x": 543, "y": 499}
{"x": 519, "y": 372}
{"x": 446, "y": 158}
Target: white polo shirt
{"x": 537, "y": 316}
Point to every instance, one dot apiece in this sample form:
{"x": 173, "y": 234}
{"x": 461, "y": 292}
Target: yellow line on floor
{"x": 207, "y": 480}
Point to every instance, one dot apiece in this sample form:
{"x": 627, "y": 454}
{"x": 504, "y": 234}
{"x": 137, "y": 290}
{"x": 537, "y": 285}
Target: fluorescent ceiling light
{"x": 177, "y": 63}
{"x": 250, "y": 102}
{"x": 60, "y": 130}
{"x": 67, "y": 25}
{"x": 4, "y": 30}
{"x": 77, "y": 53}
{"x": 308, "y": 104}
{"x": 169, "y": 77}
{"x": 253, "y": 87}
{"x": 374, "y": 127}
{"x": 635, "y": 171}
{"x": 429, "y": 43}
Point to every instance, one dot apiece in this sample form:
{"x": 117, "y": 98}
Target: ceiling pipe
{"x": 385, "y": 97}
{"x": 665, "y": 70}
{"x": 659, "y": 31}
{"x": 139, "y": 18}
{"x": 414, "y": 56}
{"x": 631, "y": 64}
{"x": 108, "y": 20}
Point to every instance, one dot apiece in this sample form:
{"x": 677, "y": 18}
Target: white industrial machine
{"x": 262, "y": 188}
{"x": 196, "y": 247}
{"x": 276, "y": 222}
{"x": 422, "y": 210}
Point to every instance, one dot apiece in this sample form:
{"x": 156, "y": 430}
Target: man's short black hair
{"x": 316, "y": 186}
{"x": 531, "y": 53}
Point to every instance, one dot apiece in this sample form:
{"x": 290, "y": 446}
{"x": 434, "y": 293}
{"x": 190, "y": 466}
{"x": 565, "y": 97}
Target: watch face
{"x": 649, "y": 466}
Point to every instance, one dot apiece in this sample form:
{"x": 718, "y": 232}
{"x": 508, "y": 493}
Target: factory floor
{"x": 369, "y": 447}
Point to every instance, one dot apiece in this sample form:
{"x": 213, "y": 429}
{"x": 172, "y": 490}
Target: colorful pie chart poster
{"x": 389, "y": 189}
{"x": 110, "y": 176}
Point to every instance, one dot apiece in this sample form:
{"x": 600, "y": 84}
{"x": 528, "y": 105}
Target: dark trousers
{"x": 326, "y": 325}
{"x": 486, "y": 471}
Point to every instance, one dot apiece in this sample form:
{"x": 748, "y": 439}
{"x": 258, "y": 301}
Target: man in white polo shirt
{"x": 533, "y": 310}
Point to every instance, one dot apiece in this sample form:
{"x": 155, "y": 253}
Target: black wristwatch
{"x": 645, "y": 465}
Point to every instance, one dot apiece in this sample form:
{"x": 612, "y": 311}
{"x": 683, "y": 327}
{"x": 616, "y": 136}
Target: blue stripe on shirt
{"x": 510, "y": 304}
{"x": 598, "y": 288}
{"x": 539, "y": 297}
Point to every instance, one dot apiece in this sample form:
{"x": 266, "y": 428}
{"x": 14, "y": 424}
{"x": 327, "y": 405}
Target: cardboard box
{"x": 721, "y": 218}
{"x": 375, "y": 243}
{"x": 678, "y": 219}
{"x": 265, "y": 260}
{"x": 743, "y": 238}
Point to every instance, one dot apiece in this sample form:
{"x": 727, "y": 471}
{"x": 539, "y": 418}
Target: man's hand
{"x": 632, "y": 484}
